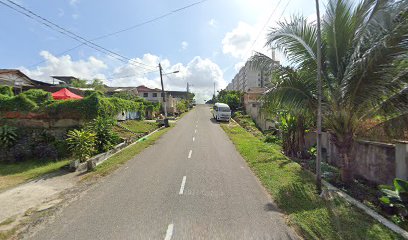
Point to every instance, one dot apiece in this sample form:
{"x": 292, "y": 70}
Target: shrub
{"x": 8, "y": 136}
{"x": 396, "y": 199}
{"x": 106, "y": 138}
{"x": 81, "y": 143}
{"x": 7, "y": 91}
{"x": 39, "y": 96}
{"x": 182, "y": 106}
{"x": 17, "y": 103}
{"x": 270, "y": 138}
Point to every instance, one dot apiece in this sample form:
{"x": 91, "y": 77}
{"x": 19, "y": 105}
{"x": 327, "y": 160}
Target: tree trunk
{"x": 346, "y": 169}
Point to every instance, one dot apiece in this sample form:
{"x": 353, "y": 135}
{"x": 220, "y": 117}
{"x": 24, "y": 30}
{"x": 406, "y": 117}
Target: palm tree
{"x": 362, "y": 46}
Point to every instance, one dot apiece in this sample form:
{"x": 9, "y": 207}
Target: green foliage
{"x": 8, "y": 136}
{"x": 271, "y": 138}
{"x": 92, "y": 106}
{"x": 182, "y": 106}
{"x": 232, "y": 98}
{"x": 19, "y": 103}
{"x": 98, "y": 85}
{"x": 106, "y": 138}
{"x": 128, "y": 96}
{"x": 79, "y": 83}
{"x": 6, "y": 90}
{"x": 396, "y": 198}
{"x": 81, "y": 143}
{"x": 363, "y": 47}
{"x": 39, "y": 96}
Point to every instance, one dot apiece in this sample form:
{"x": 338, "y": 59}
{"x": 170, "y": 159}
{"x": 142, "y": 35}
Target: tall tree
{"x": 362, "y": 47}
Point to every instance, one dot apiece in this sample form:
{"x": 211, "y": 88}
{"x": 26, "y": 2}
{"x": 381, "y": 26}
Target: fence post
{"x": 401, "y": 159}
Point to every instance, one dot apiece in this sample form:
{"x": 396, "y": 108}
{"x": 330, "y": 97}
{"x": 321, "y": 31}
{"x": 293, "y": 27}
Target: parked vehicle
{"x": 221, "y": 112}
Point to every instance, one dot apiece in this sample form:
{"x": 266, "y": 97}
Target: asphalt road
{"x": 191, "y": 184}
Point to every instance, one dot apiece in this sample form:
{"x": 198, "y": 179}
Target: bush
{"x": 39, "y": 96}
{"x": 396, "y": 199}
{"x": 8, "y": 136}
{"x": 270, "y": 138}
{"x": 81, "y": 143}
{"x": 106, "y": 138}
{"x": 7, "y": 91}
{"x": 18, "y": 103}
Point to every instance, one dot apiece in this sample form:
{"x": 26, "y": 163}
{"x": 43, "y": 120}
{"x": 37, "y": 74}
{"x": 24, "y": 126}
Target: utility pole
{"x": 319, "y": 104}
{"x": 166, "y": 120}
{"x": 188, "y": 87}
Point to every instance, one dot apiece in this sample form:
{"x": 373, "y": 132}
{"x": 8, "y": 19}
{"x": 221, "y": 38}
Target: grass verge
{"x": 12, "y": 174}
{"x": 293, "y": 190}
{"x": 137, "y": 126}
{"x": 125, "y": 155}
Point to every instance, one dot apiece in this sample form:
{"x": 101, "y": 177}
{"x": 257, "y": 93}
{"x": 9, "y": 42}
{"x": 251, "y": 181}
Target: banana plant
{"x": 396, "y": 197}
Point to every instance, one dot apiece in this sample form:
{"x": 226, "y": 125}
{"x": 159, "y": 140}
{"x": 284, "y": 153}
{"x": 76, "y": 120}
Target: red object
{"x": 65, "y": 94}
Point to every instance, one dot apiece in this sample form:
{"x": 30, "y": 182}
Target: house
{"x": 253, "y": 105}
{"x": 64, "y": 80}
{"x": 18, "y": 80}
{"x": 14, "y": 78}
{"x": 156, "y": 95}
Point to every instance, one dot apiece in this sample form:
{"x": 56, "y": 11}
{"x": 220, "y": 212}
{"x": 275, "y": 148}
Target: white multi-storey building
{"x": 248, "y": 78}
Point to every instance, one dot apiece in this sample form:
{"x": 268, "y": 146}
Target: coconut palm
{"x": 362, "y": 46}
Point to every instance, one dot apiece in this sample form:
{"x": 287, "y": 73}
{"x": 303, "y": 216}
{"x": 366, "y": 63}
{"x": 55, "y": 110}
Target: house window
{"x": 154, "y": 94}
{"x": 162, "y": 95}
{"x": 145, "y": 94}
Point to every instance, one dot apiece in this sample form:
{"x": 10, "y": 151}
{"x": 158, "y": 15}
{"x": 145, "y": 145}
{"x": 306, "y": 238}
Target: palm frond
{"x": 296, "y": 39}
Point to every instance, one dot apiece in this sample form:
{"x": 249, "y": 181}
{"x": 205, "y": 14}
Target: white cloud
{"x": 87, "y": 69}
{"x": 184, "y": 45}
{"x": 238, "y": 41}
{"x": 213, "y": 22}
{"x": 202, "y": 73}
{"x": 73, "y": 2}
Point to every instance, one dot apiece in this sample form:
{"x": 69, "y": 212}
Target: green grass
{"x": 125, "y": 155}
{"x": 140, "y": 126}
{"x": 137, "y": 126}
{"x": 16, "y": 173}
{"x": 293, "y": 190}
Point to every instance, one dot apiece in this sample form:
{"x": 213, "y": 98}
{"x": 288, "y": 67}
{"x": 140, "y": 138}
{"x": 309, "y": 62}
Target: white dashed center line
{"x": 195, "y": 131}
{"x": 193, "y": 139}
{"x": 189, "y": 153}
{"x": 169, "y": 232}
{"x": 183, "y": 184}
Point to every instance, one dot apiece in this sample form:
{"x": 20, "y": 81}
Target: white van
{"x": 221, "y": 112}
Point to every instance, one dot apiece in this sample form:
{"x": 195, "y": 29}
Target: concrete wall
{"x": 377, "y": 162}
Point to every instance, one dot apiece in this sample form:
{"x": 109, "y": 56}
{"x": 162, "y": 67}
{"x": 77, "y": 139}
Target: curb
{"x": 392, "y": 226}
{"x": 102, "y": 157}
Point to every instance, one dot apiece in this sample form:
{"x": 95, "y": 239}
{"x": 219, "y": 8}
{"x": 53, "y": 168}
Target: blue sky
{"x": 207, "y": 42}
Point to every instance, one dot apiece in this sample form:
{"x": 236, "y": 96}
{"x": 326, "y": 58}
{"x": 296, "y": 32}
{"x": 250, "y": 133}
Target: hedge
{"x": 88, "y": 108}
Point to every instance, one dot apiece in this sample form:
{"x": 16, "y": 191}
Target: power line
{"x": 266, "y": 23}
{"x": 129, "y": 28}
{"x": 72, "y": 35}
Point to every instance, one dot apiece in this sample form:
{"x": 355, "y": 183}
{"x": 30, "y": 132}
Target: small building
{"x": 253, "y": 105}
{"x": 18, "y": 80}
{"x": 64, "y": 80}
{"x": 155, "y": 95}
